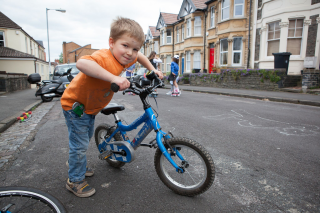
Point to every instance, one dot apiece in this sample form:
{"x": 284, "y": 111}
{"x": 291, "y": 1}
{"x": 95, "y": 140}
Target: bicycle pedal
{"x": 104, "y": 155}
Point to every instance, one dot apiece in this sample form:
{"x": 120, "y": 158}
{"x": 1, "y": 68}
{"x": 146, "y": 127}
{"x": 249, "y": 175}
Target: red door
{"x": 211, "y": 63}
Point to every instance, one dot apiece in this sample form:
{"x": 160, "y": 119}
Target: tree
{"x": 61, "y": 58}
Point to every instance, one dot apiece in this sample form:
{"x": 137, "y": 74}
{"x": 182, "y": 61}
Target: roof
{"x": 79, "y": 48}
{"x": 6, "y": 22}
{"x": 154, "y": 31}
{"x": 200, "y": 4}
{"x": 11, "y": 53}
{"x": 169, "y": 18}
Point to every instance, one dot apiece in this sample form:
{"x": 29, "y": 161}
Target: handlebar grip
{"x": 115, "y": 87}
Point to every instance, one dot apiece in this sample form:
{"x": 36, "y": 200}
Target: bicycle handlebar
{"x": 133, "y": 88}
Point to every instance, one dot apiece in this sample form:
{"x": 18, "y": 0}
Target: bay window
{"x": 225, "y": 10}
{"x": 196, "y": 59}
{"x": 169, "y": 36}
{"x": 188, "y": 60}
{"x": 224, "y": 52}
{"x": 188, "y": 28}
{"x": 295, "y": 36}
{"x": 237, "y": 51}
{"x": 197, "y": 25}
{"x": 178, "y": 35}
{"x": 168, "y": 62}
{"x": 238, "y": 8}
{"x": 212, "y": 17}
{"x": 273, "y": 38}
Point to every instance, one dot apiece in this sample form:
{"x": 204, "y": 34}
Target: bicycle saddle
{"x": 112, "y": 108}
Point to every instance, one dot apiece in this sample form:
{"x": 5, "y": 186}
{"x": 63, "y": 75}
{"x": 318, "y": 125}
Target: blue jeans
{"x": 80, "y": 132}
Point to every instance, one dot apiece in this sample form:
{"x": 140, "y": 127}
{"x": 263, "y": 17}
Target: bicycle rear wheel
{"x": 199, "y": 171}
{"x": 101, "y": 132}
{"x": 23, "y": 199}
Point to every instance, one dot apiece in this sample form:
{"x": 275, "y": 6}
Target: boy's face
{"x": 125, "y": 49}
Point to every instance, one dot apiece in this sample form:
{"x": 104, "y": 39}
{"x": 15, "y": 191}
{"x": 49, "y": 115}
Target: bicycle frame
{"x": 150, "y": 122}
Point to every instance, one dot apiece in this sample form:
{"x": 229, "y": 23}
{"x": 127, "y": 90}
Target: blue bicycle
{"x": 182, "y": 164}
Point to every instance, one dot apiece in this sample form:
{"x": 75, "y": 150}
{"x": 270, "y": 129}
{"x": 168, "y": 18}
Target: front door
{"x": 211, "y": 58}
{"x": 182, "y": 65}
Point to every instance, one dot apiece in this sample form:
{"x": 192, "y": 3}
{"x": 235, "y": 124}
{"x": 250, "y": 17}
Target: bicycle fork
{"x": 159, "y": 137}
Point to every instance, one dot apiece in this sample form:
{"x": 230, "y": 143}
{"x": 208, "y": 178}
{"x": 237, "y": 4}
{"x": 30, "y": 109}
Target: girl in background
{"x": 175, "y": 73}
{"x": 155, "y": 61}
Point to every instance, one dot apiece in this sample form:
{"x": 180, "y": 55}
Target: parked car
{"x": 60, "y": 70}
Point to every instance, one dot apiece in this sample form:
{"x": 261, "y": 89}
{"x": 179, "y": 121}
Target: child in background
{"x": 91, "y": 91}
{"x": 175, "y": 73}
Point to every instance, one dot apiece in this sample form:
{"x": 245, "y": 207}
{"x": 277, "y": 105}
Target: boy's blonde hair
{"x": 121, "y": 26}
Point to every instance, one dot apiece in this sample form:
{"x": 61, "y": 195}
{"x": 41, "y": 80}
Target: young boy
{"x": 91, "y": 87}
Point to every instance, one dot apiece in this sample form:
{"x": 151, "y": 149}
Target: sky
{"x": 85, "y": 21}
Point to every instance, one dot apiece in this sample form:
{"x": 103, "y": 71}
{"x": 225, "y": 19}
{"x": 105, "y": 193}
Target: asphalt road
{"x": 266, "y": 156}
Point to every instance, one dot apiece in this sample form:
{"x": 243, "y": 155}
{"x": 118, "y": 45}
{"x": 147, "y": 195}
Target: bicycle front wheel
{"x": 199, "y": 170}
{"x": 22, "y": 199}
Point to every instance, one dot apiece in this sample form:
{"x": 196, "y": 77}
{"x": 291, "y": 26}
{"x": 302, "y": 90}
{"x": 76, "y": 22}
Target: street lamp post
{"x": 59, "y": 10}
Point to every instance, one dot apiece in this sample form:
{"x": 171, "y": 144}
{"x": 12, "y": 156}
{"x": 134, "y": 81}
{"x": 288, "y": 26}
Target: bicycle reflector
{"x": 151, "y": 75}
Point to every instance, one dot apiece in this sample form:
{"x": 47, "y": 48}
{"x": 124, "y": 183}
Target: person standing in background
{"x": 175, "y": 73}
{"x": 155, "y": 61}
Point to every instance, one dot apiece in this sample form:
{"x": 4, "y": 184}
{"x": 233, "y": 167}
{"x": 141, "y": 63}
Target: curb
{"x": 7, "y": 122}
{"x": 274, "y": 99}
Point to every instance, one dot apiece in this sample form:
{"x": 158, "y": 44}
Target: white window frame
{"x": 221, "y": 52}
{"x": 26, "y": 41}
{"x": 237, "y": 51}
{"x": 295, "y": 29}
{"x": 42, "y": 71}
{"x": 197, "y": 59}
{"x": 178, "y": 34}
{"x": 188, "y": 28}
{"x": 156, "y": 47}
{"x": 234, "y": 9}
{"x": 169, "y": 37}
{"x": 274, "y": 32}
{"x": 197, "y": 25}
{"x": 182, "y": 32}
{"x": 168, "y": 63}
{"x": 188, "y": 61}
{"x": 4, "y": 41}
{"x": 212, "y": 16}
{"x": 162, "y": 33}
{"x": 225, "y": 8}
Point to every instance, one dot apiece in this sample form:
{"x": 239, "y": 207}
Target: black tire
{"x": 27, "y": 200}
{"x": 100, "y": 132}
{"x": 46, "y": 99}
{"x": 191, "y": 151}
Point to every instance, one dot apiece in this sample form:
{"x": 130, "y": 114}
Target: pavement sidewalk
{"x": 13, "y": 104}
{"x": 288, "y": 97}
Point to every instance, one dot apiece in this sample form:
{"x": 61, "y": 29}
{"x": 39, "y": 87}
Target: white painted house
{"x": 286, "y": 26}
{"x": 19, "y": 52}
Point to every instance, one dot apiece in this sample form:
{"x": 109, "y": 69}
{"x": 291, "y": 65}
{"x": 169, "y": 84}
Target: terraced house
{"x": 19, "y": 52}
{"x": 205, "y": 34}
{"x": 238, "y": 34}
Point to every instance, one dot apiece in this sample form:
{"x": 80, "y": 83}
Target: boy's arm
{"x": 93, "y": 69}
{"x": 143, "y": 60}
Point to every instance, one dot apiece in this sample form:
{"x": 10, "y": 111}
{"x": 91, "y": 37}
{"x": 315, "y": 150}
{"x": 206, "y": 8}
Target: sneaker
{"x": 80, "y": 189}
{"x": 89, "y": 171}
{"x": 169, "y": 93}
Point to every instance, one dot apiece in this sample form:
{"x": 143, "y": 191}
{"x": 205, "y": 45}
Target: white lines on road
{"x": 246, "y": 119}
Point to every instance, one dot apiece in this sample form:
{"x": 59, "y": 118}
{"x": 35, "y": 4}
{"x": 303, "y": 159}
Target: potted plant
{"x": 205, "y": 70}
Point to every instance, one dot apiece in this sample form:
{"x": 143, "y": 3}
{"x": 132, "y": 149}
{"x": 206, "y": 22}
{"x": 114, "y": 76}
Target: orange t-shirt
{"x": 93, "y": 93}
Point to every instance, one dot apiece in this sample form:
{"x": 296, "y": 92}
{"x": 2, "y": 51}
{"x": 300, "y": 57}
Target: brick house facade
{"x": 72, "y": 51}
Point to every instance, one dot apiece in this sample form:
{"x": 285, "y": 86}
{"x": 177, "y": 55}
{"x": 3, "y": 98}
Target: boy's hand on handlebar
{"x": 122, "y": 82}
{"x": 159, "y": 73}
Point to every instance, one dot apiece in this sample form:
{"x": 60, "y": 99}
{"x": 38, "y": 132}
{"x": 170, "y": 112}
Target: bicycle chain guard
{"x": 121, "y": 151}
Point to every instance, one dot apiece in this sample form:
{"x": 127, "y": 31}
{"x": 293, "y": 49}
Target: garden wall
{"x": 10, "y": 82}
{"x": 311, "y": 78}
{"x": 258, "y": 79}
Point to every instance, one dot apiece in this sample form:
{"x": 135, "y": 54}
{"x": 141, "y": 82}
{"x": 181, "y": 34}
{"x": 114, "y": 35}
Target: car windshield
{"x": 59, "y": 70}
{"x": 141, "y": 71}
